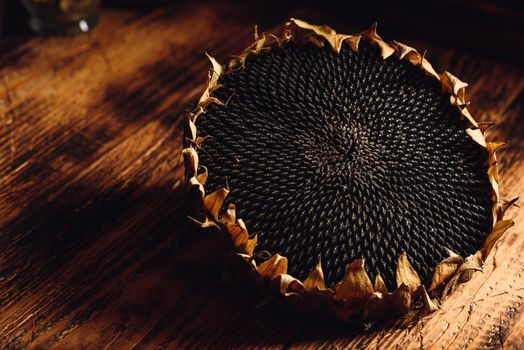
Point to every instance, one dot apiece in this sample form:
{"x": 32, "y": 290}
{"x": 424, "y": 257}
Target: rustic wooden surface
{"x": 95, "y": 250}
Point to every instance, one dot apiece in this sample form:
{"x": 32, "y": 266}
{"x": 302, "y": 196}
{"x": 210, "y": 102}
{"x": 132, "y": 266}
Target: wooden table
{"x": 95, "y": 249}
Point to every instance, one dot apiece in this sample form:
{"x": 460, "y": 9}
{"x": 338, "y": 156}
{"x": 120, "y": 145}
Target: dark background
{"x": 486, "y": 27}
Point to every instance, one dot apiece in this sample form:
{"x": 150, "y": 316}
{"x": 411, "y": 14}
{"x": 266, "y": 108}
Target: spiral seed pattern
{"x": 347, "y": 155}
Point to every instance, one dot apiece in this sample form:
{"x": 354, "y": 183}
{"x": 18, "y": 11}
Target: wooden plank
{"x": 95, "y": 250}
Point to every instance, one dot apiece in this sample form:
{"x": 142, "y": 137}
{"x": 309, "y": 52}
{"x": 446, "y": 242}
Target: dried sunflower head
{"x": 349, "y": 160}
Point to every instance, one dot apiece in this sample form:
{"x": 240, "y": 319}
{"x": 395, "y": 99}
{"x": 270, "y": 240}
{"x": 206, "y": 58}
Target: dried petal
{"x": 386, "y": 50}
{"x": 192, "y": 128}
{"x": 193, "y": 183}
{"x": 355, "y": 289}
{"x": 239, "y": 235}
{"x": 284, "y": 281}
{"x": 217, "y": 70}
{"x": 495, "y": 146}
{"x": 213, "y": 201}
{"x": 207, "y": 223}
{"x": 315, "y": 280}
{"x": 445, "y": 270}
{"x": 190, "y": 161}
{"x": 464, "y": 273}
{"x": 504, "y": 206}
{"x": 230, "y": 216}
{"x": 202, "y": 177}
{"x": 413, "y": 56}
{"x": 493, "y": 176}
{"x": 274, "y": 266}
{"x": 499, "y": 229}
{"x": 385, "y": 305}
{"x": 380, "y": 286}
{"x": 454, "y": 85}
{"x": 465, "y": 113}
{"x": 209, "y": 100}
{"x": 334, "y": 40}
{"x": 251, "y": 244}
{"x": 484, "y": 126}
{"x": 471, "y": 264}
{"x": 428, "y": 305}
{"x": 406, "y": 274}
{"x": 477, "y": 136}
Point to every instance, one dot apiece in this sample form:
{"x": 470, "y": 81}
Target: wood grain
{"x": 95, "y": 249}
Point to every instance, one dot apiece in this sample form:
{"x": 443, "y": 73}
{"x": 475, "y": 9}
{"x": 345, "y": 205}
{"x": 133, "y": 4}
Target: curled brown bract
{"x": 355, "y": 297}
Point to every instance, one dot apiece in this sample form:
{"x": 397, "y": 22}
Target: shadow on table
{"x": 126, "y": 259}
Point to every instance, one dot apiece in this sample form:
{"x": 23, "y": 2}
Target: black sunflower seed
{"x": 346, "y": 155}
